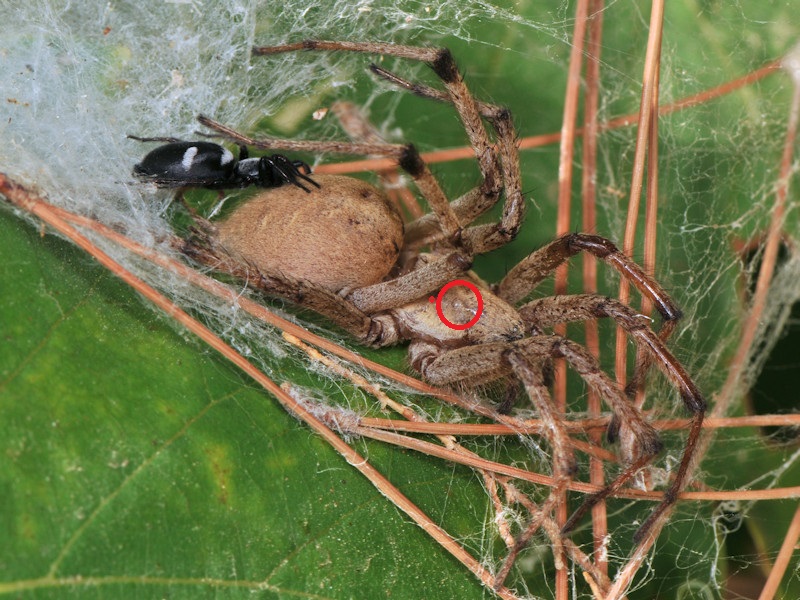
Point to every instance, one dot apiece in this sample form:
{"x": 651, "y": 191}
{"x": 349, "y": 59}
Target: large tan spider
{"x": 342, "y": 250}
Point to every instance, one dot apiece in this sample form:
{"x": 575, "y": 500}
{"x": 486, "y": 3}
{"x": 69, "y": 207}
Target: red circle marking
{"x": 474, "y": 289}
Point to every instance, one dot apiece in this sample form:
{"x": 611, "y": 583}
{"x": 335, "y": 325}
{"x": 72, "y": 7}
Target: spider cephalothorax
{"x": 352, "y": 261}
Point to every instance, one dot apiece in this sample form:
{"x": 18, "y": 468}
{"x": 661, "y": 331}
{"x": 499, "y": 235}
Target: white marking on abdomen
{"x": 188, "y": 157}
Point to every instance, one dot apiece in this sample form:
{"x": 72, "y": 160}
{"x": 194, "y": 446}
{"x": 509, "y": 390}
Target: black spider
{"x": 178, "y": 164}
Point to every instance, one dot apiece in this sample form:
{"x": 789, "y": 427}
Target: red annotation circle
{"x": 438, "y": 299}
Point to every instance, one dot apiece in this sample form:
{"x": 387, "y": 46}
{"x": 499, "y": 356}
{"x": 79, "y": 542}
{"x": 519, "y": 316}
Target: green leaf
{"x": 135, "y": 462}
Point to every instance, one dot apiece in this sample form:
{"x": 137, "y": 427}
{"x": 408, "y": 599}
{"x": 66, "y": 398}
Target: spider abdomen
{"x": 179, "y": 164}
{"x": 344, "y": 235}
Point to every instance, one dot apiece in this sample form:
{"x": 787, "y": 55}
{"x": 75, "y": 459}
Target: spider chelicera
{"x": 343, "y": 251}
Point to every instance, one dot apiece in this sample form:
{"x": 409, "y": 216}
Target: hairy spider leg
{"x": 548, "y": 312}
{"x": 286, "y": 169}
{"x": 530, "y": 372}
{"x": 528, "y": 273}
{"x": 487, "y": 362}
{"x": 476, "y": 202}
{"x": 543, "y": 262}
{"x": 482, "y": 238}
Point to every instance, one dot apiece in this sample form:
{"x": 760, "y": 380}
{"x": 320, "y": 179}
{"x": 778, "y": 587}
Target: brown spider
{"x": 342, "y": 251}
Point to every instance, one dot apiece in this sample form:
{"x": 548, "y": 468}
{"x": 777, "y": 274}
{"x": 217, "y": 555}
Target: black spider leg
{"x": 302, "y": 167}
{"x": 170, "y": 140}
{"x": 296, "y": 168}
{"x": 277, "y": 167}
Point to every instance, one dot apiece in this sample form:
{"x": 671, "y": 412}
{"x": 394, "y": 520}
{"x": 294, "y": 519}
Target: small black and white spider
{"x": 179, "y": 164}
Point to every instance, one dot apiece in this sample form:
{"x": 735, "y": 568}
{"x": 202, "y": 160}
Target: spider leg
{"x": 488, "y": 111}
{"x": 414, "y": 285}
{"x": 679, "y": 482}
{"x": 670, "y": 495}
{"x": 529, "y": 272}
{"x": 549, "y": 311}
{"x": 359, "y": 129}
{"x": 154, "y": 139}
{"x": 560, "y": 309}
{"x": 488, "y": 237}
{"x": 530, "y": 373}
{"x": 641, "y": 438}
{"x": 406, "y": 156}
{"x": 485, "y": 238}
{"x": 474, "y": 204}
{"x": 646, "y": 441}
{"x": 387, "y": 150}
{"x": 487, "y": 362}
{"x": 442, "y": 63}
{"x": 621, "y": 479}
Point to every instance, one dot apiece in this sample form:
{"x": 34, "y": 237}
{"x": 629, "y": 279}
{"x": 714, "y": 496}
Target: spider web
{"x": 77, "y": 79}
